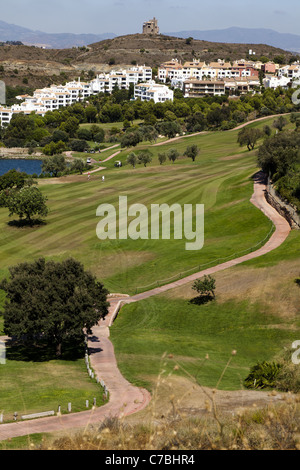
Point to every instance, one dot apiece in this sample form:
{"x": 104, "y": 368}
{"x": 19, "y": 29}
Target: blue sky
{"x": 127, "y": 16}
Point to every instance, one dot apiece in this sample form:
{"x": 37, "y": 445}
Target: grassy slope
{"x": 223, "y": 185}
{"x": 33, "y": 387}
{"x": 256, "y": 313}
{"x": 232, "y": 224}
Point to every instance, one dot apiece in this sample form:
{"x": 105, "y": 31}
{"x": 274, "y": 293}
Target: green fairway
{"x": 224, "y": 189}
{"x": 221, "y": 179}
{"x": 256, "y": 314}
{"x": 147, "y": 330}
{"x": 28, "y": 387}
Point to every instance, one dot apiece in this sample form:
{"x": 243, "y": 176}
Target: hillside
{"x": 157, "y": 49}
{"x": 44, "y": 66}
{"x": 287, "y": 41}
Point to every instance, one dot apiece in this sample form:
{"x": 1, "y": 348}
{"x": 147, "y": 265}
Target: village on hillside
{"x": 194, "y": 78}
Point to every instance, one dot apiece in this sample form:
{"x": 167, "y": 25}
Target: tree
{"x": 145, "y": 157}
{"x": 54, "y": 148}
{"x": 21, "y": 128}
{"x": 91, "y": 113}
{"x": 169, "y": 128}
{"x": 162, "y": 158}
{"x": 267, "y": 130}
{"x": 78, "y": 165}
{"x": 173, "y": 154}
{"x": 149, "y": 133}
{"x": 192, "y": 151}
{"x": 84, "y": 134}
{"x": 279, "y": 154}
{"x": 249, "y": 136}
{"x": 94, "y": 129}
{"x": 280, "y": 123}
{"x": 52, "y": 302}
{"x": 70, "y": 126}
{"x": 59, "y": 135}
{"x": 15, "y": 179}
{"x": 54, "y": 165}
{"x": 78, "y": 145}
{"x": 100, "y": 136}
{"x": 205, "y": 288}
{"x": 131, "y": 139}
{"x": 132, "y": 159}
{"x": 25, "y": 202}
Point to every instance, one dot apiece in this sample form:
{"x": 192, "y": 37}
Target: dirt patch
{"x": 119, "y": 261}
{"x": 178, "y": 396}
{"x": 65, "y": 180}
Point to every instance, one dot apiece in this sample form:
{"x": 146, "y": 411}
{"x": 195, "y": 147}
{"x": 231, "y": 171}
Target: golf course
{"x": 255, "y": 310}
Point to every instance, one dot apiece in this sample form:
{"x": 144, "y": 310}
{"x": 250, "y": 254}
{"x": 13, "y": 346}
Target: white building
{"x": 220, "y": 70}
{"x": 59, "y": 96}
{"x": 106, "y": 83}
{"x": 5, "y": 116}
{"x": 290, "y": 71}
{"x": 271, "y": 81}
{"x": 153, "y": 91}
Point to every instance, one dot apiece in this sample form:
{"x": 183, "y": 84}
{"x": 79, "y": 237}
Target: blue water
{"x": 28, "y": 166}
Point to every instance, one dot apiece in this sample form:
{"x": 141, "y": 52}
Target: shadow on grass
{"x": 42, "y": 352}
{"x": 202, "y": 299}
{"x": 24, "y": 223}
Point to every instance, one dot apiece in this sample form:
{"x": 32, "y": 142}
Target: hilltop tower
{"x": 151, "y": 27}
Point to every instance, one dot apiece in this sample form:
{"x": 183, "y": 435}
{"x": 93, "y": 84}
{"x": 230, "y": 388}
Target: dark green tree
{"x": 54, "y": 165}
{"x": 78, "y": 165}
{"x": 162, "y": 158}
{"x": 15, "y": 179}
{"x": 192, "y": 151}
{"x": 131, "y": 139}
{"x": 249, "y": 136}
{"x": 52, "y": 302}
{"x": 132, "y": 159}
{"x": 26, "y": 202}
{"x": 280, "y": 123}
{"x": 145, "y": 157}
{"x": 205, "y": 287}
{"x": 173, "y": 154}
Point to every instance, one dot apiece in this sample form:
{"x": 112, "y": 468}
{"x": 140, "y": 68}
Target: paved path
{"x": 126, "y": 399}
{"x": 174, "y": 139}
{"x": 102, "y": 161}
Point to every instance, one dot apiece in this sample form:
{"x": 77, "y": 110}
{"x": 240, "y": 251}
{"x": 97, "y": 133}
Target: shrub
{"x": 263, "y": 375}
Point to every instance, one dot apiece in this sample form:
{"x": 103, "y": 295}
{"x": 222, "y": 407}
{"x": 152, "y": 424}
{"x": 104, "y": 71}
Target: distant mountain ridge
{"x": 286, "y": 41}
{"x": 233, "y": 35}
{"x": 11, "y": 32}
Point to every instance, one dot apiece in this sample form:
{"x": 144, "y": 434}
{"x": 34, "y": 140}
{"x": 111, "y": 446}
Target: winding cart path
{"x": 126, "y": 399}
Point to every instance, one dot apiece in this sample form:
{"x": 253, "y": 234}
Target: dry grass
{"x": 167, "y": 425}
{"x": 272, "y": 287}
{"x": 183, "y": 415}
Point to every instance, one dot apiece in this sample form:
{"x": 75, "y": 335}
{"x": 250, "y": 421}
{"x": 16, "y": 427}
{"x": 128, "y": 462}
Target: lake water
{"x": 28, "y": 166}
